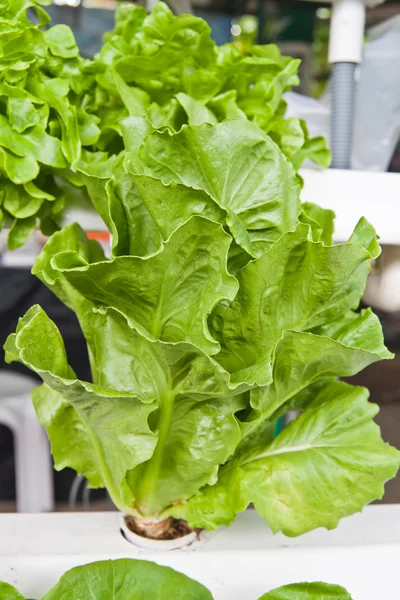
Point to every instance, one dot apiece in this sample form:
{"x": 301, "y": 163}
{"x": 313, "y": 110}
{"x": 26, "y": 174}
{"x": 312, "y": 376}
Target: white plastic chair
{"x": 33, "y": 464}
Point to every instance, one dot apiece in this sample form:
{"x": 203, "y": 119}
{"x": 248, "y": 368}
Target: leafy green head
{"x": 224, "y": 305}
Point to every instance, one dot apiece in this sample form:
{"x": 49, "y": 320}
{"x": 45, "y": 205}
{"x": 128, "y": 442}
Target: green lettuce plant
{"x": 224, "y": 305}
{"x": 43, "y": 120}
{"x": 129, "y": 579}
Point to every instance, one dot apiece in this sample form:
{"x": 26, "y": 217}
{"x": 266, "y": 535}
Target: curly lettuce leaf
{"x": 321, "y": 220}
{"x": 168, "y": 295}
{"x": 168, "y": 69}
{"x": 328, "y": 463}
{"x": 239, "y": 167}
{"x": 295, "y": 286}
{"x": 301, "y": 358}
{"x": 43, "y": 120}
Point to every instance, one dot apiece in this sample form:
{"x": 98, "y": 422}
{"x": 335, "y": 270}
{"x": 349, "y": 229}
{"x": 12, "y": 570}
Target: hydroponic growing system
{"x": 225, "y": 305}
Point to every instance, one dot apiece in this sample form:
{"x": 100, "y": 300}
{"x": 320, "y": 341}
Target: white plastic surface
{"x": 377, "y": 130}
{"x": 347, "y": 31}
{"x": 353, "y": 194}
{"x": 33, "y": 464}
{"x": 238, "y": 563}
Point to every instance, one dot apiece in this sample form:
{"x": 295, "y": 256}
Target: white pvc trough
{"x": 237, "y": 563}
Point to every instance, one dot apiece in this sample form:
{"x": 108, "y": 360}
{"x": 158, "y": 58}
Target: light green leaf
{"x": 61, "y": 41}
{"x": 301, "y": 358}
{"x": 296, "y": 285}
{"x": 325, "y": 465}
{"x": 288, "y": 134}
{"x": 169, "y": 295}
{"x": 19, "y": 203}
{"x": 224, "y": 106}
{"x": 20, "y": 231}
{"x": 18, "y": 169}
{"x": 99, "y": 175}
{"x": 197, "y": 112}
{"x": 239, "y": 168}
{"x": 167, "y": 43}
{"x": 169, "y": 206}
{"x": 126, "y": 579}
{"x": 8, "y": 592}
{"x": 36, "y": 143}
{"x": 135, "y": 100}
{"x": 22, "y": 113}
{"x": 364, "y": 235}
{"x": 71, "y": 443}
{"x": 322, "y": 222}
{"x": 134, "y": 131}
{"x": 89, "y": 131}
{"x": 74, "y": 239}
{"x": 55, "y": 90}
{"x": 308, "y": 591}
{"x": 35, "y": 192}
{"x": 314, "y": 149}
{"x": 44, "y": 92}
{"x": 130, "y": 217}
{"x": 334, "y": 445}
{"x": 116, "y": 423}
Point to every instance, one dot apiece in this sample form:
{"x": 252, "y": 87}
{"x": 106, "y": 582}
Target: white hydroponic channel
{"x": 236, "y": 563}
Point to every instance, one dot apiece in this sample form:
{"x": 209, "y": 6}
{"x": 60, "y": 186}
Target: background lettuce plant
{"x": 60, "y": 112}
{"x": 43, "y": 121}
{"x": 224, "y": 305}
{"x": 169, "y": 69}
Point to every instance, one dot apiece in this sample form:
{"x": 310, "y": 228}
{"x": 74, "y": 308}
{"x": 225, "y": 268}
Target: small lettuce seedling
{"x": 123, "y": 579}
{"x": 308, "y": 591}
{"x": 224, "y": 306}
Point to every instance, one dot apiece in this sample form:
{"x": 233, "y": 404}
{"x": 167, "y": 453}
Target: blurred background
{"x": 301, "y": 29}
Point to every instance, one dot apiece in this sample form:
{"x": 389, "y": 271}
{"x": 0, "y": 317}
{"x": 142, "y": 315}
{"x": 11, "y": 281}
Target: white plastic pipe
{"x": 347, "y": 31}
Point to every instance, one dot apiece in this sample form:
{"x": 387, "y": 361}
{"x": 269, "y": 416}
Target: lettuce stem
{"x": 146, "y": 496}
